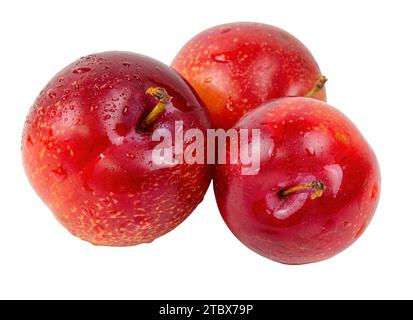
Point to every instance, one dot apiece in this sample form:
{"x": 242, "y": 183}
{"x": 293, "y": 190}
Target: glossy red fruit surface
{"x": 90, "y": 164}
{"x": 317, "y": 187}
{"x": 238, "y": 66}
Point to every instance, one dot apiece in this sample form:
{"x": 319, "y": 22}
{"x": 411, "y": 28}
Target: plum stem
{"x": 321, "y": 81}
{"x": 317, "y": 187}
{"x": 163, "y": 100}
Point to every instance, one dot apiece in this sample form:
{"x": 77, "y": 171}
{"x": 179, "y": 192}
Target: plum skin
{"x": 303, "y": 140}
{"x": 86, "y": 160}
{"x": 236, "y": 67}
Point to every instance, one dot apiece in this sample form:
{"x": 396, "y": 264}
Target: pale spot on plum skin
{"x": 315, "y": 142}
{"x": 342, "y": 137}
{"x": 335, "y": 176}
{"x": 285, "y": 207}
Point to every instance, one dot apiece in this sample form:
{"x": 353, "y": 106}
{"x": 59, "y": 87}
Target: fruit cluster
{"x": 88, "y": 143}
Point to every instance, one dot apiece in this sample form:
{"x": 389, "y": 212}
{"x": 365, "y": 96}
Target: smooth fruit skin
{"x": 89, "y": 164}
{"x": 238, "y": 66}
{"x": 302, "y": 140}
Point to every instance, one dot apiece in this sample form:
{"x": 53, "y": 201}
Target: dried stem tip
{"x": 321, "y": 81}
{"x": 317, "y": 187}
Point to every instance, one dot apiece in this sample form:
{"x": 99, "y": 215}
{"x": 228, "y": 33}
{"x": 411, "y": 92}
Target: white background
{"x": 364, "y": 47}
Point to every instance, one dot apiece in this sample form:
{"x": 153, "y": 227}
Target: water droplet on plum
{"x": 130, "y": 156}
{"x": 310, "y": 151}
{"x": 29, "y": 140}
{"x": 374, "y": 192}
{"x": 81, "y": 70}
{"x": 51, "y": 94}
{"x": 225, "y": 30}
{"x": 60, "y": 171}
{"x": 229, "y": 106}
{"x": 221, "y": 58}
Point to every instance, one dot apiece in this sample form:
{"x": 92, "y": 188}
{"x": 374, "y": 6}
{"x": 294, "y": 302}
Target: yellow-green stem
{"x": 321, "y": 81}
{"x": 317, "y": 187}
{"x": 163, "y": 100}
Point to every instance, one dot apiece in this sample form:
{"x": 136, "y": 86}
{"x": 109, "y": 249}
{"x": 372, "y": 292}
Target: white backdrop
{"x": 364, "y": 47}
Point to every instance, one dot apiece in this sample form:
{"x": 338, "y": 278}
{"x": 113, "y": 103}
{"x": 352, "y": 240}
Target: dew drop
{"x": 29, "y": 140}
{"x": 130, "y": 156}
{"x": 81, "y": 70}
{"x": 225, "y": 30}
{"x": 60, "y": 171}
{"x": 92, "y": 108}
{"x": 360, "y": 231}
{"x": 374, "y": 192}
{"x": 125, "y": 110}
{"x": 310, "y": 151}
{"x": 229, "y": 106}
{"x": 221, "y": 58}
{"x": 51, "y": 94}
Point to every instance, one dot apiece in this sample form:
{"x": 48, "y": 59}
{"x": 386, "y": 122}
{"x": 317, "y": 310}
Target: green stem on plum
{"x": 317, "y": 187}
{"x": 163, "y": 100}
{"x": 321, "y": 81}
